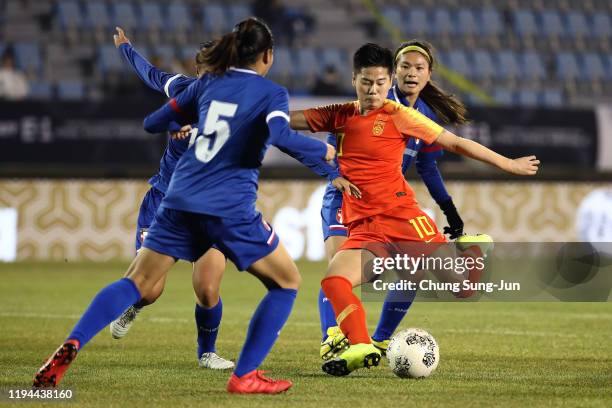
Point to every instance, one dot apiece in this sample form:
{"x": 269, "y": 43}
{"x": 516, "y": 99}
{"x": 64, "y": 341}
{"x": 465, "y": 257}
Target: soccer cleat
{"x": 256, "y": 383}
{"x": 214, "y": 362}
{"x": 52, "y": 371}
{"x": 122, "y": 324}
{"x": 482, "y": 241}
{"x": 333, "y": 345}
{"x": 357, "y": 356}
{"x": 382, "y": 346}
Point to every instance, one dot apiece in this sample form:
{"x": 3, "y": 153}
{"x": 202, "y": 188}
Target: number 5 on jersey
{"x": 216, "y": 130}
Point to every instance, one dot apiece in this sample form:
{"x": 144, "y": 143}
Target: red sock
{"x": 349, "y": 311}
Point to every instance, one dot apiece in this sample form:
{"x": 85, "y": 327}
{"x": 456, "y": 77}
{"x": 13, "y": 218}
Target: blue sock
{"x": 108, "y": 305}
{"x": 393, "y": 311}
{"x": 266, "y": 323}
{"x": 326, "y": 314}
{"x": 207, "y": 326}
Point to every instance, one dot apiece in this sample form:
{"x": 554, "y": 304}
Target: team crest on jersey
{"x": 339, "y": 216}
{"x": 379, "y": 125}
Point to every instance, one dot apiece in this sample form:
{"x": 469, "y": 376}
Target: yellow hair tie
{"x": 416, "y": 48}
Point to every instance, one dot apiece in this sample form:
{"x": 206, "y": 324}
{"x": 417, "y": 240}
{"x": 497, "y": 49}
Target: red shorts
{"x": 400, "y": 225}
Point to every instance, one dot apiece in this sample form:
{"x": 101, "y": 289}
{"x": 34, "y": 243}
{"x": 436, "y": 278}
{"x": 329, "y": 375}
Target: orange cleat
{"x": 52, "y": 371}
{"x": 256, "y": 383}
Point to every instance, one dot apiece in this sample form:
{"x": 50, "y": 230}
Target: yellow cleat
{"x": 382, "y": 346}
{"x": 333, "y": 345}
{"x": 356, "y": 356}
{"x": 482, "y": 241}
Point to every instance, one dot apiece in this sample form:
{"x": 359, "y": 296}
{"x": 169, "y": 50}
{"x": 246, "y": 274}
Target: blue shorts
{"x": 148, "y": 208}
{"x": 331, "y": 216}
{"x": 187, "y": 235}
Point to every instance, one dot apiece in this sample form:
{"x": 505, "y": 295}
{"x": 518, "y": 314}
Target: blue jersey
{"x": 239, "y": 115}
{"x": 171, "y": 85}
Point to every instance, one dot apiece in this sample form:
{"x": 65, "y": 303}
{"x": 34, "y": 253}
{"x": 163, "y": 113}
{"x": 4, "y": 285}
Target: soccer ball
{"x": 413, "y": 353}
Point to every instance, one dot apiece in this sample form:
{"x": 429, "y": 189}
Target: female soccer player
{"x": 207, "y": 271}
{"x": 211, "y": 201}
{"x": 372, "y": 135}
{"x": 414, "y": 62}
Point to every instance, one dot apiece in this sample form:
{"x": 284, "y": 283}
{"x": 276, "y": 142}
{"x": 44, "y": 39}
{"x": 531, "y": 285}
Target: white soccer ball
{"x": 413, "y": 353}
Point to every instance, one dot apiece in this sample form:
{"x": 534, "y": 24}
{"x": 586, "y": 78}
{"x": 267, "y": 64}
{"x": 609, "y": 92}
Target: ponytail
{"x": 447, "y": 107}
{"x": 238, "y": 48}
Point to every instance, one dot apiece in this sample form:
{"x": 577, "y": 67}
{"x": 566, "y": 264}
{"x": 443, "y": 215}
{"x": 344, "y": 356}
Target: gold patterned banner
{"x": 95, "y": 220}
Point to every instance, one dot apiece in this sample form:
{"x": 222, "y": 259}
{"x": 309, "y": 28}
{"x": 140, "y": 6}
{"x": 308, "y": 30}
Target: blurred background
{"x": 536, "y": 76}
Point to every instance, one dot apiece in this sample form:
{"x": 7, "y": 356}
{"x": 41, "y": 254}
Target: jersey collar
{"x": 246, "y": 71}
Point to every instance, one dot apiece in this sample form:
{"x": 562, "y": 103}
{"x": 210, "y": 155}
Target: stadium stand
{"x": 520, "y": 52}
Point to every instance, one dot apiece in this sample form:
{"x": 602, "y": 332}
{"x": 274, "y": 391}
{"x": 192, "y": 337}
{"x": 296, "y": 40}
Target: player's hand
{"x": 346, "y": 186}
{"x": 183, "y": 133}
{"x": 331, "y": 152}
{"x": 455, "y": 224}
{"x": 120, "y": 37}
{"x": 524, "y": 166}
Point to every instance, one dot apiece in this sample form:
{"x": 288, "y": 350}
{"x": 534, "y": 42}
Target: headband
{"x": 416, "y": 48}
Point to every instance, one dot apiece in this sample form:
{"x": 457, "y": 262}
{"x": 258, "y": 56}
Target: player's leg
{"x": 146, "y": 269}
{"x": 280, "y": 275}
{"x": 146, "y": 214}
{"x": 344, "y": 273}
{"x": 207, "y": 274}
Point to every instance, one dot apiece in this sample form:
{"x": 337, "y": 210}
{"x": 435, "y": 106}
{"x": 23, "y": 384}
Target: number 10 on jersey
{"x": 216, "y": 130}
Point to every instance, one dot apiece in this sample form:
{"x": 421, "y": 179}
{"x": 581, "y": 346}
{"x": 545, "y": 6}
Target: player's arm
{"x": 297, "y": 120}
{"x": 427, "y": 167}
{"x": 179, "y": 110}
{"x": 153, "y": 77}
{"x": 283, "y": 137}
{"x": 409, "y": 122}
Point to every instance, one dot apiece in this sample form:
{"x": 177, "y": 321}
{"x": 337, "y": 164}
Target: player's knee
{"x": 208, "y": 294}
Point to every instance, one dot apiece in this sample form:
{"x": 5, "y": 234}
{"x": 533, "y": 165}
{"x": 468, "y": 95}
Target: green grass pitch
{"x": 492, "y": 354}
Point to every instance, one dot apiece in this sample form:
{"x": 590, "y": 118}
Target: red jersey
{"x": 370, "y": 151}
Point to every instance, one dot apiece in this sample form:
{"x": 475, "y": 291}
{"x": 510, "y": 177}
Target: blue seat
{"x": 442, "y": 22}
{"x": 109, "y": 59}
{"x": 238, "y": 12}
{"x": 593, "y": 66}
{"x": 552, "y": 98}
{"x": 39, "y": 90}
{"x": 283, "y": 62}
{"x": 467, "y": 22}
{"x": 602, "y": 25}
{"x": 533, "y": 66}
{"x": 484, "y": 67}
{"x": 417, "y": 22}
{"x": 503, "y": 96}
{"x": 508, "y": 65}
{"x": 179, "y": 16}
{"x": 151, "y": 16}
{"x": 124, "y": 15}
{"x": 307, "y": 62}
{"x": 528, "y": 98}
{"x": 69, "y": 14}
{"x": 165, "y": 53}
{"x": 607, "y": 61}
{"x": 336, "y": 58}
{"x": 394, "y": 16}
{"x": 70, "y": 90}
{"x": 567, "y": 66}
{"x": 214, "y": 18}
{"x": 458, "y": 61}
{"x": 577, "y": 24}
{"x": 96, "y": 14}
{"x": 551, "y": 23}
{"x": 525, "y": 23}
{"x": 491, "y": 21}
{"x": 27, "y": 56}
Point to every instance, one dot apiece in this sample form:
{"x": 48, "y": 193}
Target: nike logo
{"x": 429, "y": 240}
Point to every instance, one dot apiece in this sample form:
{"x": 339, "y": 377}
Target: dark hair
{"x": 372, "y": 55}
{"x": 199, "y": 58}
{"x": 447, "y": 107}
{"x": 241, "y": 47}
